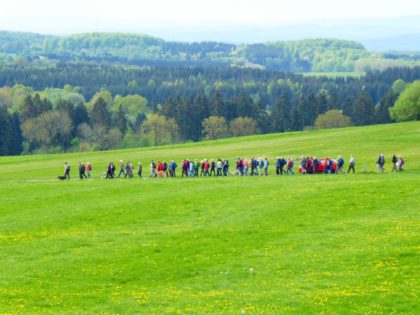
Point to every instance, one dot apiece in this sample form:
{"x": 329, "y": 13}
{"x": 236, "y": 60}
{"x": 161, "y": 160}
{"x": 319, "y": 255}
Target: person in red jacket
{"x": 160, "y": 170}
{"x": 206, "y": 168}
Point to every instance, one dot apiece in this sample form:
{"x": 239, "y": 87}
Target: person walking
{"x": 67, "y": 170}
{"x": 82, "y": 170}
{"x": 261, "y": 166}
{"x": 122, "y": 168}
{"x": 400, "y": 163}
{"x": 89, "y": 169}
{"x": 340, "y": 165}
{"x": 152, "y": 169}
{"x": 394, "y": 163}
{"x": 352, "y": 163}
{"x": 289, "y": 167}
{"x": 226, "y": 168}
{"x": 266, "y": 164}
{"x": 191, "y": 169}
{"x": 166, "y": 168}
{"x": 140, "y": 169}
{"x": 219, "y": 167}
{"x": 380, "y": 163}
{"x": 212, "y": 168}
{"x": 128, "y": 170}
{"x": 110, "y": 171}
{"x": 172, "y": 168}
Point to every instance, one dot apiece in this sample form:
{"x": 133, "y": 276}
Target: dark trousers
{"x": 351, "y": 167}
{"x": 67, "y": 175}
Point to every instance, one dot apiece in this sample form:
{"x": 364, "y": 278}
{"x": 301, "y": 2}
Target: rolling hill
{"x": 307, "y": 55}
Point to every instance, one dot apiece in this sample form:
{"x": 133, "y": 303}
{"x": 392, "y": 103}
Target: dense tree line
{"x": 158, "y": 84}
{"x": 107, "y": 107}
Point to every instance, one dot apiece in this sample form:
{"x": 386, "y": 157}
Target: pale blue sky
{"x": 235, "y": 11}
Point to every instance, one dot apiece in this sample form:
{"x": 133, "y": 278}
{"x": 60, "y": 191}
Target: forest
{"x": 310, "y": 55}
{"x": 83, "y": 107}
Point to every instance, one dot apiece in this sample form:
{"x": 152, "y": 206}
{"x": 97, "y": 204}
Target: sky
{"x": 207, "y": 11}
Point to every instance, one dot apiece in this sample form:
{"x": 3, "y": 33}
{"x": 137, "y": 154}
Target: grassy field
{"x": 234, "y": 245}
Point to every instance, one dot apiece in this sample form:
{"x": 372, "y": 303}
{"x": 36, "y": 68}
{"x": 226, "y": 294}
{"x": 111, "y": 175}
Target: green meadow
{"x": 302, "y": 244}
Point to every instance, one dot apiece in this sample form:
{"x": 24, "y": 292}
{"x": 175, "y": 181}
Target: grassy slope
{"x": 302, "y": 244}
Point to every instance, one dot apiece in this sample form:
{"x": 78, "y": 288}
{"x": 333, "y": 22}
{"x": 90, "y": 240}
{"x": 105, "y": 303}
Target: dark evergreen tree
{"x": 303, "y": 112}
{"x": 80, "y": 115}
{"x": 139, "y": 120}
{"x": 294, "y": 119}
{"x": 280, "y": 114}
{"x": 382, "y": 109}
{"x": 16, "y": 140}
{"x": 34, "y": 106}
{"x": 5, "y": 131}
{"x": 363, "y": 110}
{"x": 348, "y": 107}
{"x": 322, "y": 102}
{"x": 120, "y": 120}
{"x": 100, "y": 115}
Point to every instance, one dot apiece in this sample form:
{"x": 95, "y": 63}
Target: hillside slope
{"x": 364, "y": 142}
{"x": 255, "y": 245}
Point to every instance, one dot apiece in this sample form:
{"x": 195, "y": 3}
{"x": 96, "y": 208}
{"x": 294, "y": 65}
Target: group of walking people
{"x": 241, "y": 167}
{"x": 397, "y": 163}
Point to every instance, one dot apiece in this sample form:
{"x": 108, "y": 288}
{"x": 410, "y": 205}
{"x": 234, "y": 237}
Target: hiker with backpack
{"x": 172, "y": 168}
{"x": 340, "y": 165}
{"x": 380, "y": 163}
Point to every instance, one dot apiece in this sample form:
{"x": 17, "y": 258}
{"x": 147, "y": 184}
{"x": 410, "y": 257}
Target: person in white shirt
{"x": 352, "y": 163}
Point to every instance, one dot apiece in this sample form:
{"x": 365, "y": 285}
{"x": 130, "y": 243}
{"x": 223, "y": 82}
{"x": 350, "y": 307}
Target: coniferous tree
{"x": 348, "y": 107}
{"x": 280, "y": 114}
{"x": 16, "y": 138}
{"x": 100, "y": 115}
{"x": 363, "y": 110}
{"x": 382, "y": 109}
{"x": 5, "y": 131}
{"x": 120, "y": 120}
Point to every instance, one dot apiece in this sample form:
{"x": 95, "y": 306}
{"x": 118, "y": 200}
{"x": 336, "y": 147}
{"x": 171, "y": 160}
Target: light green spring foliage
{"x": 332, "y": 119}
{"x": 255, "y": 245}
{"x": 407, "y": 106}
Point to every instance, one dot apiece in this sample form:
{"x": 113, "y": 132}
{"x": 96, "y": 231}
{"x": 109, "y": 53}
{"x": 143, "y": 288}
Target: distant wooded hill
{"x": 312, "y": 55}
